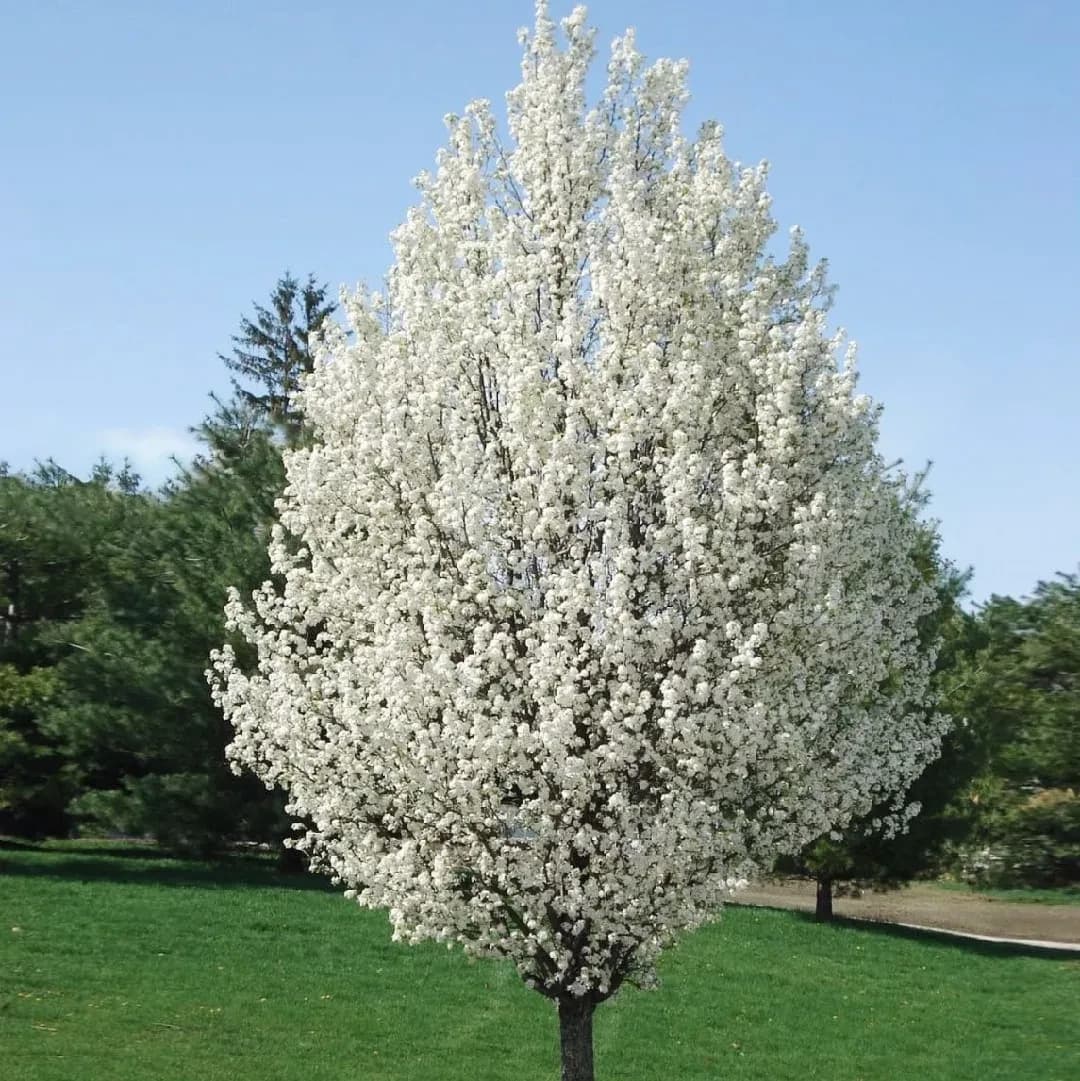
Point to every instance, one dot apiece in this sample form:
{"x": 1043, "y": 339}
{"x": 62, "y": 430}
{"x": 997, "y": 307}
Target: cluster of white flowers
{"x": 592, "y": 593}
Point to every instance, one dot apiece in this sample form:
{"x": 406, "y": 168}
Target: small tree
{"x": 592, "y": 593}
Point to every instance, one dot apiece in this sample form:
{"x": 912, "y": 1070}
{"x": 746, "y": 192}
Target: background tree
{"x": 33, "y": 786}
{"x": 592, "y": 593}
{"x": 58, "y": 536}
{"x": 136, "y": 681}
{"x": 113, "y": 599}
{"x": 1023, "y": 688}
{"x": 272, "y": 352}
{"x": 133, "y": 706}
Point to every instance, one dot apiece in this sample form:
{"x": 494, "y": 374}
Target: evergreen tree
{"x": 213, "y": 533}
{"x": 61, "y": 540}
{"x": 274, "y": 349}
{"x": 1023, "y": 688}
{"x": 122, "y": 734}
{"x": 111, "y": 599}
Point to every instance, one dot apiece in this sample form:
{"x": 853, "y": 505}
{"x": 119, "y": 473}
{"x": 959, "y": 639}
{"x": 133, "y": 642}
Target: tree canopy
{"x": 592, "y": 593}
{"x": 111, "y": 598}
{"x": 1022, "y": 687}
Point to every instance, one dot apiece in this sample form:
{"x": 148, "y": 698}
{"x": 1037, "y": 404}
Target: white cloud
{"x": 150, "y": 450}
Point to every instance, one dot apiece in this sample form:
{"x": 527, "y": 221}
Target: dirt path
{"x": 931, "y": 906}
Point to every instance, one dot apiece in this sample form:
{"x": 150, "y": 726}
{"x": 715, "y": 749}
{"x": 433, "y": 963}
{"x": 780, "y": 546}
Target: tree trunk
{"x": 824, "y": 900}
{"x": 291, "y": 861}
{"x": 575, "y": 1038}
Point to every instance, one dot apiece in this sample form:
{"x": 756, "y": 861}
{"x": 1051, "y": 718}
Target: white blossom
{"x": 592, "y": 593}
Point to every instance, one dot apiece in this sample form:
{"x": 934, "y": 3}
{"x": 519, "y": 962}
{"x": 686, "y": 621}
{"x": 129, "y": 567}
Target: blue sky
{"x": 163, "y": 164}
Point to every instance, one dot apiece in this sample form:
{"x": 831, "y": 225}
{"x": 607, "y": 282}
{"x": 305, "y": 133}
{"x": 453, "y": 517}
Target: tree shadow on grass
{"x": 16, "y": 845}
{"x": 954, "y": 940}
{"x": 148, "y": 866}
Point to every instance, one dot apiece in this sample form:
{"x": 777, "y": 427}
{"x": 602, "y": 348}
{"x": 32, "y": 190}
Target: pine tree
{"x": 1023, "y": 688}
{"x": 64, "y": 545}
{"x": 274, "y": 349}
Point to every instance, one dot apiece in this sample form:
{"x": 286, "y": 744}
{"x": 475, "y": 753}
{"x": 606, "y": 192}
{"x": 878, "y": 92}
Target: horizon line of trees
{"x": 111, "y": 598}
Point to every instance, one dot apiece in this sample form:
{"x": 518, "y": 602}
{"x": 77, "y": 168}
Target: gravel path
{"x": 934, "y": 908}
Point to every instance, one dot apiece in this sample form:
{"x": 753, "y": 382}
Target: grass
{"x": 120, "y": 965}
{"x": 1061, "y": 895}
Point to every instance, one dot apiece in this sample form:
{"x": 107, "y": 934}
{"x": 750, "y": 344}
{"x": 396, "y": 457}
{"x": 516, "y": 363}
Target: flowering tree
{"x": 592, "y": 593}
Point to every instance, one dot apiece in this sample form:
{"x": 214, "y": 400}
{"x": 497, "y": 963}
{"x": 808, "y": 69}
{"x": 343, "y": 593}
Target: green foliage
{"x": 273, "y": 351}
{"x": 1020, "y": 895}
{"x": 1024, "y": 685}
{"x": 24, "y": 765}
{"x": 132, "y": 706}
{"x": 62, "y": 540}
{"x": 114, "y": 598}
{"x": 116, "y": 973}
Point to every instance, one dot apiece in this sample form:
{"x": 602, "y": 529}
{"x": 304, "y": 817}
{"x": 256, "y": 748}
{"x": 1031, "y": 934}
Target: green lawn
{"x": 1061, "y": 895}
{"x": 127, "y": 967}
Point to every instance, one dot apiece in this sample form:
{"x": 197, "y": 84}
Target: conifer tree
{"x": 272, "y": 351}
